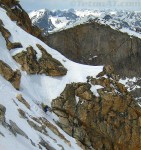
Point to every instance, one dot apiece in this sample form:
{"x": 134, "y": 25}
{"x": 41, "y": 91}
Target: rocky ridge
{"x": 108, "y": 121}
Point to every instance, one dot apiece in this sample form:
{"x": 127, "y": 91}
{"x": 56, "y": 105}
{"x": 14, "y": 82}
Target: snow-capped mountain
{"x": 50, "y": 20}
{"x": 56, "y": 20}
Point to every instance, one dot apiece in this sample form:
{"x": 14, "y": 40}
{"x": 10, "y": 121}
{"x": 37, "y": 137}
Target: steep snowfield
{"x": 35, "y": 89}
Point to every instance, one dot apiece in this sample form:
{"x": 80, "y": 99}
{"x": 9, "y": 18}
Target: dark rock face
{"x": 45, "y": 65}
{"x": 13, "y": 77}
{"x": 109, "y": 122}
{"x": 97, "y": 44}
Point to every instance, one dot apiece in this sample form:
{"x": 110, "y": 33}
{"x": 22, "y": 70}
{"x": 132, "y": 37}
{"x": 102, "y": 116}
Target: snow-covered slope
{"x": 35, "y": 89}
{"x": 119, "y": 19}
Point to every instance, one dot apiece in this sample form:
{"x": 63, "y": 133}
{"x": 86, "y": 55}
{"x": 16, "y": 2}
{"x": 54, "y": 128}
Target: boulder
{"x": 12, "y": 76}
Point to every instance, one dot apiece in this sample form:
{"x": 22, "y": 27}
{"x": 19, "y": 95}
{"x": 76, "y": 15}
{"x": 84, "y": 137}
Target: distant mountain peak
{"x": 62, "y": 19}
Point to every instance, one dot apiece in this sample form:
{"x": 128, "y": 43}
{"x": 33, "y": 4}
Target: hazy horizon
{"x": 29, "y": 5}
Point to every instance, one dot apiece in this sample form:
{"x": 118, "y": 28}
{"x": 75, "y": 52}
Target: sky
{"x": 81, "y": 4}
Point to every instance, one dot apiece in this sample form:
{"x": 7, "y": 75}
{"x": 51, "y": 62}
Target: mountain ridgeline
{"x": 98, "y": 44}
{"x": 54, "y": 20}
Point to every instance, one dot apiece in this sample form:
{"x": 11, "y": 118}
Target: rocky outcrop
{"x": 28, "y": 60}
{"x": 16, "y": 130}
{"x": 13, "y": 128}
{"x": 12, "y": 76}
{"x": 40, "y": 125}
{"x": 6, "y": 34}
{"x": 45, "y": 65}
{"x": 110, "y": 121}
{"x": 97, "y": 44}
{"x": 16, "y": 13}
{"x": 2, "y": 113}
{"x": 50, "y": 65}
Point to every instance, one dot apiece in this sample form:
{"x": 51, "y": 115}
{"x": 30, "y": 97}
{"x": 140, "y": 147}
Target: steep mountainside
{"x": 89, "y": 109}
{"x": 96, "y": 44}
